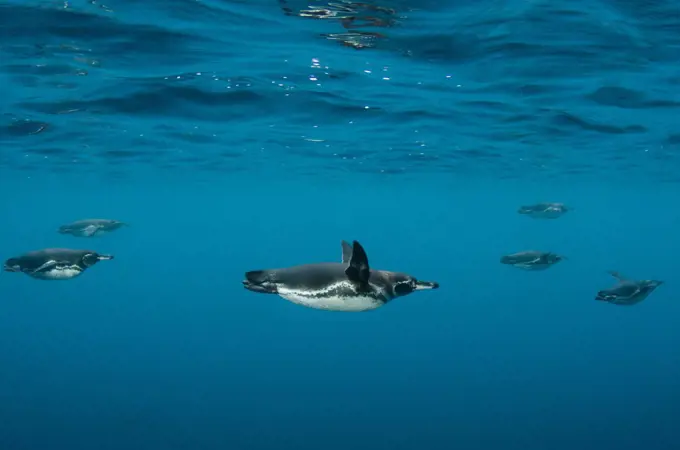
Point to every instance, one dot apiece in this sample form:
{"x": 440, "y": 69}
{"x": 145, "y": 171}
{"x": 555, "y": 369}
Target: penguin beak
{"x": 7, "y": 268}
{"x": 104, "y": 257}
{"x": 423, "y": 285}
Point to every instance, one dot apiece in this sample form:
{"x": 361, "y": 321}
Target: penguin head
{"x": 651, "y": 284}
{"x": 552, "y": 258}
{"x": 89, "y": 259}
{"x": 404, "y": 284}
{"x": 115, "y": 224}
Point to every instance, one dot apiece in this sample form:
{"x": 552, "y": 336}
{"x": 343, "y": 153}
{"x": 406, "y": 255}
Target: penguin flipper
{"x": 346, "y": 252}
{"x": 90, "y": 230}
{"x": 618, "y": 276}
{"x": 358, "y": 269}
{"x": 45, "y": 266}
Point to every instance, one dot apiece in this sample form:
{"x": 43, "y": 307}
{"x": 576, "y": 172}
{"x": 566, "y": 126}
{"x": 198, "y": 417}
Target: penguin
{"x": 544, "y": 210}
{"x": 54, "y": 263}
{"x": 91, "y": 227}
{"x": 350, "y": 285}
{"x": 627, "y": 292}
{"x": 532, "y": 260}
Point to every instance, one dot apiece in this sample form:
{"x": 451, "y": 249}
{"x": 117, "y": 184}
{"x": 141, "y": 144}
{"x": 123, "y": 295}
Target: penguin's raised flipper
{"x": 617, "y": 275}
{"x": 358, "y": 269}
{"x": 346, "y": 252}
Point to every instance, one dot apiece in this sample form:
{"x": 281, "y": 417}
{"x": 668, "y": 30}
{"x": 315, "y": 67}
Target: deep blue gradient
{"x": 237, "y": 135}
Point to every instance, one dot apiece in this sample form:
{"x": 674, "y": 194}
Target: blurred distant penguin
{"x": 54, "y": 263}
{"x": 349, "y": 285}
{"x": 532, "y": 260}
{"x": 627, "y": 292}
{"x": 544, "y": 210}
{"x": 91, "y": 227}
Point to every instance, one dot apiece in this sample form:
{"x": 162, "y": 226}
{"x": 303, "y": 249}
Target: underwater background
{"x": 241, "y": 135}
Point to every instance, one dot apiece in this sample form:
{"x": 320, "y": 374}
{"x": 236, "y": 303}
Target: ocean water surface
{"x": 242, "y": 135}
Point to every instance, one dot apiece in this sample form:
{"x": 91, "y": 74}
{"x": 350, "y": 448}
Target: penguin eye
{"x": 90, "y": 259}
{"x": 403, "y": 288}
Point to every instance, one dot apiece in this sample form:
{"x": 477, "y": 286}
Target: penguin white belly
{"x": 89, "y": 231}
{"x": 547, "y": 214}
{"x": 58, "y": 273}
{"x": 534, "y": 267}
{"x": 330, "y": 302}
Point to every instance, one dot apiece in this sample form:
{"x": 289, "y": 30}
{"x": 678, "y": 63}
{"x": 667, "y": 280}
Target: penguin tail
{"x": 257, "y": 276}
{"x": 603, "y": 296}
{"x": 508, "y": 259}
{"x": 259, "y": 281}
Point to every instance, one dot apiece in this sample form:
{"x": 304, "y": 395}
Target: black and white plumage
{"x": 91, "y": 227}
{"x": 532, "y": 260}
{"x": 544, "y": 210}
{"x": 54, "y": 263}
{"x": 627, "y": 292}
{"x": 350, "y": 285}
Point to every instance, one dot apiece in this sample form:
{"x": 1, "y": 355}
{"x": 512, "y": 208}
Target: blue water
{"x": 239, "y": 135}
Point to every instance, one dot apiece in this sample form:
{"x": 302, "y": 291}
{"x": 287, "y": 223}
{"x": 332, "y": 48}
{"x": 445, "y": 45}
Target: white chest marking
{"x": 59, "y": 273}
{"x": 324, "y": 299}
{"x": 549, "y": 213}
{"x": 90, "y": 231}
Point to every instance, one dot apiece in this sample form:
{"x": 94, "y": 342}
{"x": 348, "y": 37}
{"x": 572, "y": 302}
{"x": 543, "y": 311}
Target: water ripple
{"x": 505, "y": 88}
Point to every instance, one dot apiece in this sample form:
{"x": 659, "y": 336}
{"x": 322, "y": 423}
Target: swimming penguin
{"x": 532, "y": 260}
{"x": 54, "y": 263}
{"x": 91, "y": 227}
{"x": 627, "y": 292}
{"x": 544, "y": 210}
{"x": 349, "y": 285}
